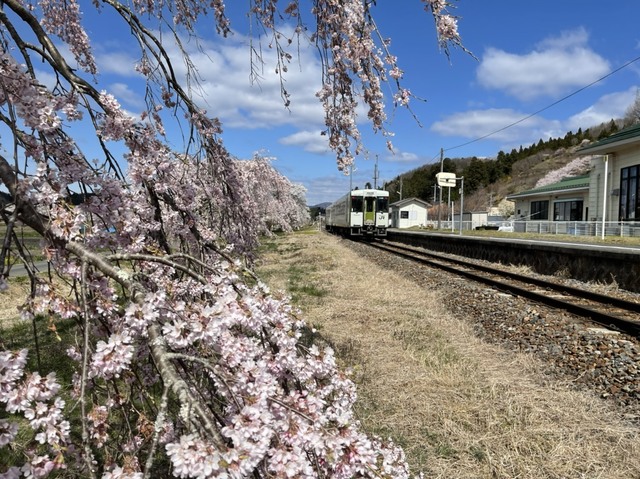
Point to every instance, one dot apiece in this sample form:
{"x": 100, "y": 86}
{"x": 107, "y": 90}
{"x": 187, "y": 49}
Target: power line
{"x": 546, "y": 107}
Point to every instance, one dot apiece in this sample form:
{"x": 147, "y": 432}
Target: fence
{"x": 579, "y": 228}
{"x": 574, "y": 228}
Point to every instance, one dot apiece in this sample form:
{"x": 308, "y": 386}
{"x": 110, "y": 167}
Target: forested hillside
{"x": 488, "y": 180}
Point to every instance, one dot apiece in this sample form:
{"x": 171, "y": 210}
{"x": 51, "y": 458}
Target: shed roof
{"x": 572, "y": 183}
{"x": 626, "y": 136}
{"x": 406, "y": 201}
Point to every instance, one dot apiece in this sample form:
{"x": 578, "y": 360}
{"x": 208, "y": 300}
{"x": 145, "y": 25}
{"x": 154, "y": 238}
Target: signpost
{"x": 448, "y": 180}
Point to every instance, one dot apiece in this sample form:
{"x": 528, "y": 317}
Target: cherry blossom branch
{"x": 53, "y": 55}
{"x": 165, "y": 260}
{"x": 239, "y": 394}
{"x": 88, "y": 456}
{"x": 209, "y": 367}
{"x": 180, "y": 388}
{"x": 158, "y": 426}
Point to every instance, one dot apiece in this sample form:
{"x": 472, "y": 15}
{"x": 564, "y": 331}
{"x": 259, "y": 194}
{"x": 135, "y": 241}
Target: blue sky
{"x": 528, "y": 56}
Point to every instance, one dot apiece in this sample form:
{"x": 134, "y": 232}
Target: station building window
{"x": 539, "y": 210}
{"x": 629, "y": 186}
{"x": 568, "y": 210}
{"x": 404, "y": 215}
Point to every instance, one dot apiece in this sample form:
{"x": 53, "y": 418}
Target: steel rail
{"x": 600, "y": 317}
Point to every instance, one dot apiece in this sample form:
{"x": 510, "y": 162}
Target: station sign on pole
{"x": 446, "y": 179}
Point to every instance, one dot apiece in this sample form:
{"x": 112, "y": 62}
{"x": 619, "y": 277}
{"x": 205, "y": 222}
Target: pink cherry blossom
{"x": 181, "y": 358}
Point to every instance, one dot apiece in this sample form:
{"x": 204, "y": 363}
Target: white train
{"x": 360, "y": 213}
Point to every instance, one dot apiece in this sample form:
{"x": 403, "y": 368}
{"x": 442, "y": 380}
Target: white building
{"x": 615, "y": 177}
{"x": 409, "y": 213}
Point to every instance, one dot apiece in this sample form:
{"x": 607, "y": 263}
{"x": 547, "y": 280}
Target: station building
{"x": 566, "y": 200}
{"x": 605, "y": 200}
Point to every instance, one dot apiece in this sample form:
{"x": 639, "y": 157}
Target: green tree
{"x": 476, "y": 175}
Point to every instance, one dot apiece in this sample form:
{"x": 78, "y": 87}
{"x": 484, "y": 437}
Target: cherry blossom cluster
{"x": 280, "y": 204}
{"x": 64, "y": 20}
{"x": 578, "y": 166}
{"x": 36, "y": 399}
{"x": 35, "y": 105}
{"x": 345, "y": 33}
{"x": 184, "y": 364}
{"x": 185, "y": 12}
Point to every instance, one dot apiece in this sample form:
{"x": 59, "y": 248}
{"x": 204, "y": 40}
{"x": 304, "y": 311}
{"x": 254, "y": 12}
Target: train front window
{"x": 383, "y": 204}
{"x": 369, "y": 205}
{"x": 356, "y": 204}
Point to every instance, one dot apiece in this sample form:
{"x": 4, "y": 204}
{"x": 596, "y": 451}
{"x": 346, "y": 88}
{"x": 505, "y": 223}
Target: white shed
{"x": 409, "y": 212}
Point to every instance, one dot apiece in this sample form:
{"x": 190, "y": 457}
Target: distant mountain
{"x": 321, "y": 206}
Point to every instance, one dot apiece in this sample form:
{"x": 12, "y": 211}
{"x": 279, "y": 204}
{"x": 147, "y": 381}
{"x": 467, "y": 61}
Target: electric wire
{"x": 546, "y": 107}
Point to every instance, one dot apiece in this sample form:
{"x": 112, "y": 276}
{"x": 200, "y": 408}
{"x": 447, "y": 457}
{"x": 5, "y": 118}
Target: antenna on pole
{"x": 375, "y": 175}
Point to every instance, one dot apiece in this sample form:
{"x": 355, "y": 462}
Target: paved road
{"x": 20, "y": 270}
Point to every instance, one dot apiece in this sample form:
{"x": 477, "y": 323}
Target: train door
{"x": 370, "y": 210}
{"x": 356, "y": 213}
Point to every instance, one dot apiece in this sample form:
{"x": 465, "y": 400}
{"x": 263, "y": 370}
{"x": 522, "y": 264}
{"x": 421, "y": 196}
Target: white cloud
{"x": 493, "y": 122}
{"x": 118, "y": 63}
{"x": 311, "y": 141}
{"x": 556, "y": 66}
{"x": 328, "y": 188}
{"x": 566, "y": 40}
{"x": 227, "y": 91}
{"x": 506, "y": 127}
{"x": 611, "y": 106}
{"x": 125, "y": 94}
{"x": 402, "y": 157}
{"x": 46, "y": 78}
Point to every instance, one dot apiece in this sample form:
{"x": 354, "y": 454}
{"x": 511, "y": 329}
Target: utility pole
{"x": 461, "y": 202}
{"x": 440, "y": 203}
{"x": 350, "y": 178}
{"x": 401, "y": 187}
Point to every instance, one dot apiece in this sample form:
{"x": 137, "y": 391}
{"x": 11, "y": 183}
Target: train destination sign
{"x": 446, "y": 179}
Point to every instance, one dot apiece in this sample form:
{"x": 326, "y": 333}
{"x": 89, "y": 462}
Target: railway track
{"x": 614, "y": 313}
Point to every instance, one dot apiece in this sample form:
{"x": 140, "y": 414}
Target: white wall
{"x": 622, "y": 158}
{"x": 417, "y": 216}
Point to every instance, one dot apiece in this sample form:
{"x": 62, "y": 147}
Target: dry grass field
{"x": 459, "y": 407}
{"x": 11, "y": 300}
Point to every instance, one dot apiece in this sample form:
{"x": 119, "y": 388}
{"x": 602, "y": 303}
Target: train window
{"x": 356, "y": 203}
{"x": 383, "y": 204}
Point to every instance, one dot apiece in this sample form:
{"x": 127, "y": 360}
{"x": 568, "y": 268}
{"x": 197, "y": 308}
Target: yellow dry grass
{"x": 11, "y": 299}
{"x": 459, "y": 407}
